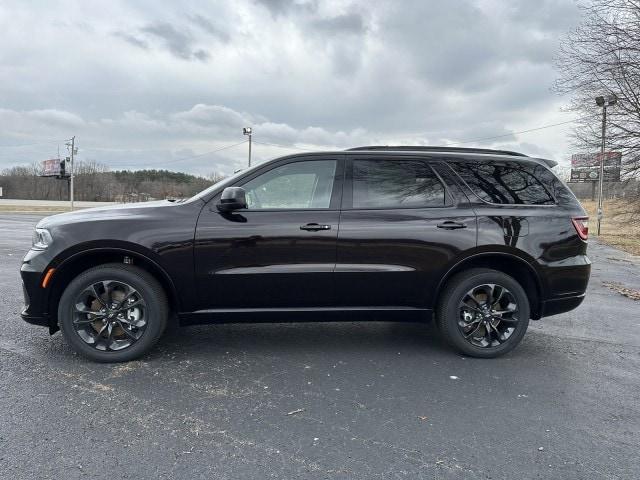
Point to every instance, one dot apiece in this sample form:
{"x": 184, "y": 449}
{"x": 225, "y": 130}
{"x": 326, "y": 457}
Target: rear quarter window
{"x": 558, "y": 189}
{"x": 515, "y": 183}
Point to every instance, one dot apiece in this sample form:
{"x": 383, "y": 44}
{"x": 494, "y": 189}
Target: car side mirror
{"x": 232, "y": 198}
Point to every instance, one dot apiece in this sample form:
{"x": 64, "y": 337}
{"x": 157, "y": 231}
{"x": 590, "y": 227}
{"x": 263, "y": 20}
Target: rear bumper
{"x": 567, "y": 282}
{"x": 561, "y": 305}
{"x": 567, "y": 277}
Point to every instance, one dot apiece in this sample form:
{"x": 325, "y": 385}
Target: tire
{"x": 113, "y": 313}
{"x": 464, "y": 309}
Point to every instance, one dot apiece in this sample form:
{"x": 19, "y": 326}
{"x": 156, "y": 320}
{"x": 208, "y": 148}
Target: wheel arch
{"x": 88, "y": 257}
{"x": 518, "y": 268}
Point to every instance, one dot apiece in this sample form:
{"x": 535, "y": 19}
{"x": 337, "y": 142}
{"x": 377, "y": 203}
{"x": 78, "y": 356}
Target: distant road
{"x": 24, "y": 206}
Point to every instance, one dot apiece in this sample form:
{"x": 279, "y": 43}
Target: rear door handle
{"x": 314, "y": 227}
{"x": 449, "y": 225}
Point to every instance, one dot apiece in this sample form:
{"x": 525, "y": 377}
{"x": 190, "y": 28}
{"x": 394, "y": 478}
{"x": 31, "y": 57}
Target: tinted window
{"x": 559, "y": 190}
{"x": 293, "y": 186}
{"x": 505, "y": 182}
{"x": 395, "y": 183}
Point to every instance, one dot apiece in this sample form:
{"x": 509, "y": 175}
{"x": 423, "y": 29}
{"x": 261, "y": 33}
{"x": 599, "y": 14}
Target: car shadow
{"x": 307, "y": 337}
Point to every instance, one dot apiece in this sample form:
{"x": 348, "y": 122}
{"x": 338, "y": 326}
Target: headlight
{"x": 41, "y": 238}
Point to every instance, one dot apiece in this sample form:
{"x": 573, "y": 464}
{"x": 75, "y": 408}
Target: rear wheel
{"x": 483, "y": 313}
{"x": 113, "y": 313}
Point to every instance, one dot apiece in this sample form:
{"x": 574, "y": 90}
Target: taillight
{"x": 582, "y": 226}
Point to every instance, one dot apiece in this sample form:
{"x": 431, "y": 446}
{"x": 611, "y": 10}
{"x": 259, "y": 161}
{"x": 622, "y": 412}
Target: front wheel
{"x": 113, "y": 313}
{"x": 483, "y": 313}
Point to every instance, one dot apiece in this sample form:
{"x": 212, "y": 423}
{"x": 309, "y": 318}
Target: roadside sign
{"x": 585, "y": 167}
{"x": 51, "y": 168}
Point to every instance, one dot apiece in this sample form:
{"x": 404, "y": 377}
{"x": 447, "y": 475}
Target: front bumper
{"x": 42, "y": 320}
{"x": 36, "y": 298}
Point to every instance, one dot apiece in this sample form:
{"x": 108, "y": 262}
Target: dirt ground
{"x": 618, "y": 229}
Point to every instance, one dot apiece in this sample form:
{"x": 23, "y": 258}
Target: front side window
{"x": 297, "y": 185}
{"x": 504, "y": 182}
{"x": 396, "y": 183}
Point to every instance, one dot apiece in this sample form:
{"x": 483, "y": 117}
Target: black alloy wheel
{"x": 488, "y": 315}
{"x": 483, "y": 313}
{"x": 113, "y": 312}
{"x": 110, "y": 315}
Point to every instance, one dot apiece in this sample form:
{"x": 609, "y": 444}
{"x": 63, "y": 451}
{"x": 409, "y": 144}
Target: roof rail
{"x": 410, "y": 148}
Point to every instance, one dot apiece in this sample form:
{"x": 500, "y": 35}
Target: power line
{"x": 517, "y": 133}
{"x": 32, "y": 144}
{"x": 295, "y": 148}
{"x": 285, "y": 146}
{"x": 191, "y": 157}
{"x": 210, "y": 152}
{"x": 462, "y": 142}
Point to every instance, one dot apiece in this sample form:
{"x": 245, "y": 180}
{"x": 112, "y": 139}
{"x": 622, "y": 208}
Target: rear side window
{"x": 506, "y": 182}
{"x": 396, "y": 183}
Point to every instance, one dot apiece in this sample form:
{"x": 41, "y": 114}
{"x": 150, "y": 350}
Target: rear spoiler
{"x": 547, "y": 162}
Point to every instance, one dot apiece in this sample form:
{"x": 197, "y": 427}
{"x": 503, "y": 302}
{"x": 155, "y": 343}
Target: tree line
{"x": 95, "y": 182}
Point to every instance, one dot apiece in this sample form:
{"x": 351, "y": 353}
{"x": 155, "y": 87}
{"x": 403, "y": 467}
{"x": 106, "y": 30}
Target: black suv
{"x": 482, "y": 239}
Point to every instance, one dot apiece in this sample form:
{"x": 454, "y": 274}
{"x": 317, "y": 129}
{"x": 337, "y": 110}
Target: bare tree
{"x": 562, "y": 172}
{"x": 91, "y": 180}
{"x": 215, "y": 177}
{"x": 602, "y": 57}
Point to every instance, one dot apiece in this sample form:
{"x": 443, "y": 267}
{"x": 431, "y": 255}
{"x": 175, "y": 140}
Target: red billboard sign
{"x": 51, "y": 168}
{"x": 585, "y": 167}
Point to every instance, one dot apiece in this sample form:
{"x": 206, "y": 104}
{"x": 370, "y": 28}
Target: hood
{"x": 104, "y": 213}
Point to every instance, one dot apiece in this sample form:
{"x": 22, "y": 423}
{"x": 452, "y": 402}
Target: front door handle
{"x": 314, "y": 227}
{"x": 449, "y": 225}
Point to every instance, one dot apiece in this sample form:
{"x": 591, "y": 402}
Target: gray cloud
{"x": 551, "y": 16}
{"x": 201, "y": 55}
{"x": 286, "y": 7}
{"x": 175, "y": 78}
{"x": 347, "y": 24}
{"x": 132, "y": 39}
{"x": 178, "y": 41}
{"x": 208, "y": 26}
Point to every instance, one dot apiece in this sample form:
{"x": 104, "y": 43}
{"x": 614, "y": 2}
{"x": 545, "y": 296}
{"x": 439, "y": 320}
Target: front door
{"x": 281, "y": 250}
{"x": 400, "y": 227}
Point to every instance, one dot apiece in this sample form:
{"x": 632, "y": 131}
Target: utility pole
{"x": 611, "y": 100}
{"x": 247, "y": 131}
{"x": 71, "y": 174}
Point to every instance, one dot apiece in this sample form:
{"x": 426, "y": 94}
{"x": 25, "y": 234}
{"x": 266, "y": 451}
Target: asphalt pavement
{"x": 362, "y": 400}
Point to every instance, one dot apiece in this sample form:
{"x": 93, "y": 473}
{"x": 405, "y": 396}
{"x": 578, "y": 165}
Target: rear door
{"x": 401, "y": 225}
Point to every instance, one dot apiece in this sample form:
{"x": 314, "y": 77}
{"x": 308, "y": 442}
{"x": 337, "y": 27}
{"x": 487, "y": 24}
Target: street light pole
{"x": 601, "y": 175}
{"x": 247, "y": 131}
{"x": 601, "y": 102}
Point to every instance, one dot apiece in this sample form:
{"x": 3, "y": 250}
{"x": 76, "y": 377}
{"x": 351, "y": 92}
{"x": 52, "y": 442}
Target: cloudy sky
{"x": 158, "y": 84}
